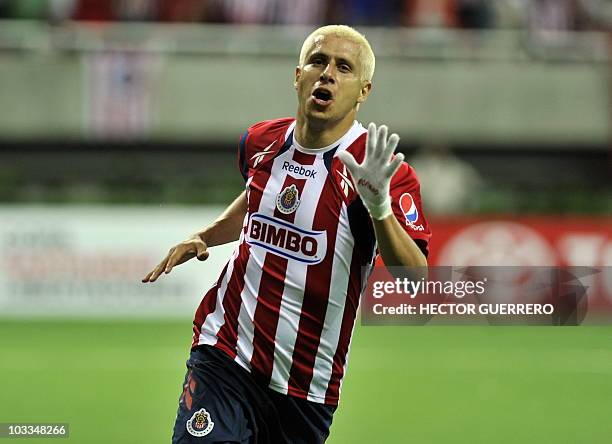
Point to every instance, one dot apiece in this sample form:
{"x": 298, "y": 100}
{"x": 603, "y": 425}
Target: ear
{"x": 298, "y": 73}
{"x": 366, "y": 88}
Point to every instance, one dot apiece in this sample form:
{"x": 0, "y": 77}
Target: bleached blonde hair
{"x": 367, "y": 59}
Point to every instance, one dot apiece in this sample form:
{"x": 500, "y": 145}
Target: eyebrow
{"x": 326, "y": 56}
{"x": 317, "y": 54}
{"x": 345, "y": 61}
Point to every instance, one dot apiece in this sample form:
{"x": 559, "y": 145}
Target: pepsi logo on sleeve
{"x": 410, "y": 211}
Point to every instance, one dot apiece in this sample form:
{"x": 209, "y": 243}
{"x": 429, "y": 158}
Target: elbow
{"x": 413, "y": 268}
{"x": 418, "y": 269}
{"x": 414, "y": 260}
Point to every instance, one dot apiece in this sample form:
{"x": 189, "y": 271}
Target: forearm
{"x": 396, "y": 247}
{"x": 226, "y": 228}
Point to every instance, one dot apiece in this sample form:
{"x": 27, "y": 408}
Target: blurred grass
{"x": 119, "y": 381}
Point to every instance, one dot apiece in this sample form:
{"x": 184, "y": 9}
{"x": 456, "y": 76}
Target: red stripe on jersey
{"x": 228, "y": 333}
{"x": 272, "y": 285}
{"x": 304, "y": 158}
{"x": 258, "y": 186}
{"x": 316, "y": 295}
{"x": 227, "y": 337}
{"x": 346, "y": 330}
{"x": 207, "y": 306}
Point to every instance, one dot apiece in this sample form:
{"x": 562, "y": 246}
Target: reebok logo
{"x": 345, "y": 182}
{"x": 299, "y": 170}
{"x": 258, "y": 157}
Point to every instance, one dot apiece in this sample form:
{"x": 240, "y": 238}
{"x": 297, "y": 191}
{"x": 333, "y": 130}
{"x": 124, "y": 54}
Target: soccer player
{"x": 322, "y": 196}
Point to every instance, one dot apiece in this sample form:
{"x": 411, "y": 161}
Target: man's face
{"x": 329, "y": 85}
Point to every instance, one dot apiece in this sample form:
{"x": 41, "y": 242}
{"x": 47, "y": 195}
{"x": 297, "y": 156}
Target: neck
{"x": 313, "y": 134}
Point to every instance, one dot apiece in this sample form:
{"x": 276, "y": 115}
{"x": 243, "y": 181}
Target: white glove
{"x": 373, "y": 176}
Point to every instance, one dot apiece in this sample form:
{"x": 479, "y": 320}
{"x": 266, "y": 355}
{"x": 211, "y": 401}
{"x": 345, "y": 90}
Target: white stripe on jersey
{"x": 214, "y": 321}
{"x": 353, "y": 134}
{"x": 254, "y": 267}
{"x": 330, "y": 334}
{"x": 295, "y": 282}
{"x": 255, "y": 264}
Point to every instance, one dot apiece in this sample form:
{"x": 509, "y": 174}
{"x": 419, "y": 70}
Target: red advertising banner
{"x": 528, "y": 241}
{"x": 537, "y": 241}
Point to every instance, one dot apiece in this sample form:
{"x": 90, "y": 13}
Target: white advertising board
{"x": 81, "y": 261}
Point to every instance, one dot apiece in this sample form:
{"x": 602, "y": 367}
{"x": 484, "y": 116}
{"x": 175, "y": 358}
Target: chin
{"x": 318, "y": 119}
{"x": 318, "y": 114}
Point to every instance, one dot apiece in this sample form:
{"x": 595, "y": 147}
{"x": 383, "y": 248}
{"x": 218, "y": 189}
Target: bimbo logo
{"x": 287, "y": 240}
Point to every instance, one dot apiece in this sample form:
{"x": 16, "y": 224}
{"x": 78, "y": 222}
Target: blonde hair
{"x": 368, "y": 61}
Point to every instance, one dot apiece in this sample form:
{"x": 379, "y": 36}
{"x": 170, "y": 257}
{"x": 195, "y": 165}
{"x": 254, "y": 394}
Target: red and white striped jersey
{"x": 285, "y": 304}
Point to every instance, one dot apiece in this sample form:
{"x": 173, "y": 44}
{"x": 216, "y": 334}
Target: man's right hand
{"x": 188, "y": 249}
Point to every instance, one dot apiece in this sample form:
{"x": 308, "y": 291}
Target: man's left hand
{"x": 373, "y": 176}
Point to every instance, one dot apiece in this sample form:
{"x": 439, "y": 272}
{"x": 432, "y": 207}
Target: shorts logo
{"x": 200, "y": 423}
{"x": 288, "y": 200}
{"x": 410, "y": 210}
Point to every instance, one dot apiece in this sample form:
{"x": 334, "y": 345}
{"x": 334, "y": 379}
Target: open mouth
{"x": 322, "y": 97}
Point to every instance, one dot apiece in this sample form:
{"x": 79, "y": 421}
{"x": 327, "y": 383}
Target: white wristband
{"x": 379, "y": 212}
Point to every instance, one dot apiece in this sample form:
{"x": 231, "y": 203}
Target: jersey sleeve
{"x": 250, "y": 144}
{"x": 259, "y": 143}
{"x": 243, "y": 163}
{"x": 407, "y": 207}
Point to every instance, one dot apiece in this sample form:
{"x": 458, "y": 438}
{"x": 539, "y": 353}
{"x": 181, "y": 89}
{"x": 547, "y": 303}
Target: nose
{"x": 328, "y": 74}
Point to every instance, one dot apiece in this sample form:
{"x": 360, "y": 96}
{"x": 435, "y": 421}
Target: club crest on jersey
{"x": 287, "y": 240}
{"x": 200, "y": 423}
{"x": 410, "y": 210}
{"x": 288, "y": 200}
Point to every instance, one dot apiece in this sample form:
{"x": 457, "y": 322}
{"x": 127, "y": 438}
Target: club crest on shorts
{"x": 288, "y": 200}
{"x": 200, "y": 423}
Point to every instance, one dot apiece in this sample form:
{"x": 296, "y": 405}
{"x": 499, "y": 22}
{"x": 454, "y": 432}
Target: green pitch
{"x": 118, "y": 382}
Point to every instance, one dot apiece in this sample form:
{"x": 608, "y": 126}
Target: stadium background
{"x": 118, "y": 129}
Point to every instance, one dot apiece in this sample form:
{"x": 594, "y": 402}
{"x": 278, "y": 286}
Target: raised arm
{"x": 372, "y": 179}
{"x": 226, "y": 228}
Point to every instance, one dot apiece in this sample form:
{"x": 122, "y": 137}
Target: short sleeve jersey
{"x": 284, "y": 307}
